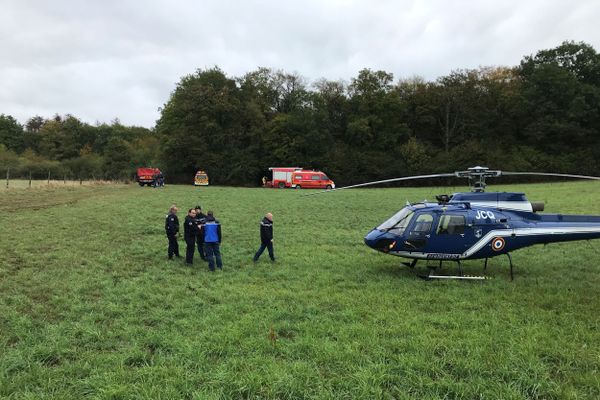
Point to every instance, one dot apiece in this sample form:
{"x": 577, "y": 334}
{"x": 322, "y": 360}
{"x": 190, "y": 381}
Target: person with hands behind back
{"x": 266, "y": 237}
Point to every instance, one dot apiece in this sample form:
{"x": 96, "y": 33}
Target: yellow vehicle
{"x": 201, "y": 179}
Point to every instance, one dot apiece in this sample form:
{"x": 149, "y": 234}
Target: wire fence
{"x": 30, "y": 179}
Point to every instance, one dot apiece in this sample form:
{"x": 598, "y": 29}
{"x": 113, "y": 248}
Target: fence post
{"x": 7, "y": 176}
{"x": 48, "y": 177}
{"x": 65, "y": 179}
{"x": 29, "y": 179}
{"x": 80, "y": 180}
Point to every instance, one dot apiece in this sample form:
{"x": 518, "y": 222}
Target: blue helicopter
{"x": 474, "y": 225}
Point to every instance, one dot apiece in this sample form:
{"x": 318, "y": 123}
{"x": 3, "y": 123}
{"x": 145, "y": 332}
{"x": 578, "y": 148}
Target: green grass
{"x": 91, "y": 308}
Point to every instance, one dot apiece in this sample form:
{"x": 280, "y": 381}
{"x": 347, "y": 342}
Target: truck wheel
{"x": 298, "y": 187}
{"x": 141, "y": 184}
{"x": 281, "y": 185}
{"x": 328, "y": 187}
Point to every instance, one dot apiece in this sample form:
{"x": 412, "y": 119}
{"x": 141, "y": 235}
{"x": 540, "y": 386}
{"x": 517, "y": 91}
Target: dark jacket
{"x": 211, "y": 230}
{"x": 190, "y": 228}
{"x": 200, "y": 220}
{"x": 266, "y": 230}
{"x": 171, "y": 224}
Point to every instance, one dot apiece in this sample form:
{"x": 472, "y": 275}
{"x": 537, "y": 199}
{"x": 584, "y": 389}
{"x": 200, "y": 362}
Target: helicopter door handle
{"x": 406, "y": 242}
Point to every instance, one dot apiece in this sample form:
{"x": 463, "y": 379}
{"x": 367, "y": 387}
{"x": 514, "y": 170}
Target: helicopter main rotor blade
{"x": 404, "y": 178}
{"x": 596, "y": 178}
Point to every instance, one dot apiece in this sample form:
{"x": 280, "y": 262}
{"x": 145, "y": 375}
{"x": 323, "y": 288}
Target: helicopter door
{"x": 453, "y": 235}
{"x": 419, "y": 232}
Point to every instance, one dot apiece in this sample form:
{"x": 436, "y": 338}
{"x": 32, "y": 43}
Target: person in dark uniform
{"x": 200, "y": 219}
{"x": 212, "y": 241}
{"x": 172, "y": 230}
{"x": 266, "y": 237}
{"x": 190, "y": 232}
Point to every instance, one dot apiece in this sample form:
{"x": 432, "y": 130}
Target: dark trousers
{"x": 173, "y": 246}
{"x": 200, "y": 240}
{"x": 263, "y": 246}
{"x": 213, "y": 252}
{"x": 190, "y": 249}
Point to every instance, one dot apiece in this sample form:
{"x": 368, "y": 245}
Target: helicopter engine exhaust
{"x": 537, "y": 206}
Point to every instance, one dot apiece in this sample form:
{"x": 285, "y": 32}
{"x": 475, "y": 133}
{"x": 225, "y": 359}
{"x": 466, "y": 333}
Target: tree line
{"x": 66, "y": 146}
{"x": 543, "y": 114}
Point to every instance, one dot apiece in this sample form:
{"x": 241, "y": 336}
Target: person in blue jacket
{"x": 211, "y": 230}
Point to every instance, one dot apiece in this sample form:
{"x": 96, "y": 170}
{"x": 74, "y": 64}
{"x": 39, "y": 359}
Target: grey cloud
{"x": 103, "y": 60}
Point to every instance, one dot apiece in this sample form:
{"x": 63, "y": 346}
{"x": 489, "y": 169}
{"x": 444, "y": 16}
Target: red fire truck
{"x": 298, "y": 178}
{"x": 146, "y": 176}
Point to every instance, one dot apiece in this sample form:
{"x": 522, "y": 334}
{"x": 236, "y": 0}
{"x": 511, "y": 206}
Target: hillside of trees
{"x": 543, "y": 114}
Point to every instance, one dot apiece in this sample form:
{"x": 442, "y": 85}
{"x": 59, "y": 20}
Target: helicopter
{"x": 473, "y": 225}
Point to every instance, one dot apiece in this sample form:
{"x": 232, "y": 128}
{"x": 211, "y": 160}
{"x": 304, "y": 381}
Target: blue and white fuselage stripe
{"x": 526, "y": 237}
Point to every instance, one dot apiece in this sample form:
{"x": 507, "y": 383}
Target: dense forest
{"x": 543, "y": 114}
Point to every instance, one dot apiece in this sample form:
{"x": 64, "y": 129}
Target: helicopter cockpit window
{"x": 451, "y": 225}
{"x": 398, "y": 222}
{"x": 423, "y": 223}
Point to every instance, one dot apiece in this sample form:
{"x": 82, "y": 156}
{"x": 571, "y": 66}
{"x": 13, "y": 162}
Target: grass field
{"x": 91, "y": 308}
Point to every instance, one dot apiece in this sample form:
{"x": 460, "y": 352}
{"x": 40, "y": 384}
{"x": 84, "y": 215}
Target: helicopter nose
{"x": 371, "y": 238}
{"x": 379, "y": 240}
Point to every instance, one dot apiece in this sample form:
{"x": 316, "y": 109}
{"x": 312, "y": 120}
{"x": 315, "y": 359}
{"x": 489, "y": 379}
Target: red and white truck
{"x": 298, "y": 178}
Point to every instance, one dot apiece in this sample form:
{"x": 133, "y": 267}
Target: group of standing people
{"x": 203, "y": 231}
{"x": 199, "y": 231}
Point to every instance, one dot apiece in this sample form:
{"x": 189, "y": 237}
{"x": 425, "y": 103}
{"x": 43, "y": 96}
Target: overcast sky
{"x": 101, "y": 60}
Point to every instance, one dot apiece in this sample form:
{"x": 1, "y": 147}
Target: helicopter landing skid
{"x": 457, "y": 277}
{"x": 431, "y": 275}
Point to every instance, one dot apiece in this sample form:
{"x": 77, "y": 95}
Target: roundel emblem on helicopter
{"x": 498, "y": 244}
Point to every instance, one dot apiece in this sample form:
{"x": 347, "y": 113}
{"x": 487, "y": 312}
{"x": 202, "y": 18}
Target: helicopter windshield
{"x": 397, "y": 224}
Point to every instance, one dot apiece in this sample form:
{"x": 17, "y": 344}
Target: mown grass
{"x": 91, "y": 308}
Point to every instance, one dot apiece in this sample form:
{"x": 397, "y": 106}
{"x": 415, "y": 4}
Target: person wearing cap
{"x": 212, "y": 241}
{"x": 266, "y": 237}
{"x": 200, "y": 219}
{"x": 172, "y": 230}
